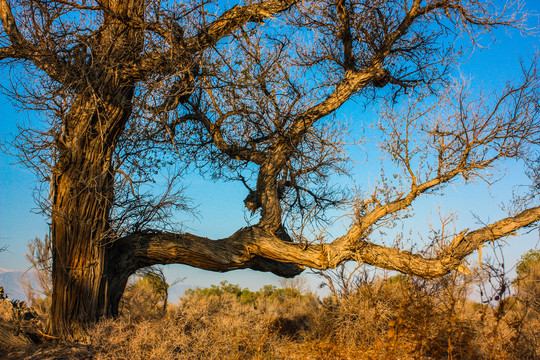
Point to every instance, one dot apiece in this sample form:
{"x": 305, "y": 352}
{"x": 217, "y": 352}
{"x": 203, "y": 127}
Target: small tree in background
{"x": 40, "y": 258}
{"x": 528, "y": 282}
{"x": 527, "y": 263}
{"x": 147, "y": 295}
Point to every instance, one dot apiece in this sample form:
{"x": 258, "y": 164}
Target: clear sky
{"x": 220, "y": 205}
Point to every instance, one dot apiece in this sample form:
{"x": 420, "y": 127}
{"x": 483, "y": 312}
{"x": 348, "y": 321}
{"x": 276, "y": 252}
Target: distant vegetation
{"x": 246, "y": 296}
{"x": 378, "y": 317}
{"x": 528, "y": 262}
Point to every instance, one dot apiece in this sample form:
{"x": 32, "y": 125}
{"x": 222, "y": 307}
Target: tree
{"x": 147, "y": 295}
{"x": 528, "y": 261}
{"x": 247, "y": 94}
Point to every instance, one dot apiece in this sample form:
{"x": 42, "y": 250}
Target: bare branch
{"x": 21, "y": 48}
{"x": 252, "y": 247}
{"x": 235, "y": 18}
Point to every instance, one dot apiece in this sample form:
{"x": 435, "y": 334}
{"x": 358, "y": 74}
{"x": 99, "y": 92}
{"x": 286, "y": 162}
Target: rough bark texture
{"x": 253, "y": 247}
{"x": 86, "y": 285}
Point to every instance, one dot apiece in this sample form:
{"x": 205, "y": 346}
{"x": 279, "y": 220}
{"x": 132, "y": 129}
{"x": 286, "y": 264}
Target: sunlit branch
{"x": 252, "y": 247}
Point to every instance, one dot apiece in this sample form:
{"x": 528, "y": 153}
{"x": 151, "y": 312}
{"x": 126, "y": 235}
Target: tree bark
{"x": 257, "y": 248}
{"x": 86, "y": 283}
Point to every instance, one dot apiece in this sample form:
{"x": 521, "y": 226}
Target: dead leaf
{"x": 480, "y": 254}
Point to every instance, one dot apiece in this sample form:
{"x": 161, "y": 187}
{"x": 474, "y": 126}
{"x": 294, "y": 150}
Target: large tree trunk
{"x": 87, "y": 281}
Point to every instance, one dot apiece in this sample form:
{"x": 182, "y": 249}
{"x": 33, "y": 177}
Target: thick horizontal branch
{"x": 257, "y": 249}
{"x": 222, "y": 255}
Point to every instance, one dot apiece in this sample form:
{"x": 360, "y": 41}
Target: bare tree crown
{"x": 250, "y": 94}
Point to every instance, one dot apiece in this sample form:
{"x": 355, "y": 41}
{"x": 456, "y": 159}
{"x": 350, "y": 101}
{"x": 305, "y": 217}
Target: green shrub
{"x": 245, "y": 295}
{"x": 527, "y": 260}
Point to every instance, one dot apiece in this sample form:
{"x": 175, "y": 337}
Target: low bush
{"x": 396, "y": 317}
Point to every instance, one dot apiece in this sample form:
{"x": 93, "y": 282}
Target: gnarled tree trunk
{"x": 87, "y": 284}
{"x": 87, "y": 281}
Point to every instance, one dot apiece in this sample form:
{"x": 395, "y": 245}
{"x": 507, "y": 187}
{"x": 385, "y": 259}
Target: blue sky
{"x": 220, "y": 205}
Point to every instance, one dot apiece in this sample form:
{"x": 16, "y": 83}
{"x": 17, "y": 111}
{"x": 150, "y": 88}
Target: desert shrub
{"x": 401, "y": 316}
{"x": 438, "y": 320}
{"x": 146, "y": 295}
{"x": 378, "y": 317}
{"x": 244, "y": 295}
{"x": 284, "y": 310}
{"x": 396, "y": 317}
{"x": 528, "y": 261}
{"x": 212, "y": 323}
{"x": 524, "y": 316}
{"x": 357, "y": 320}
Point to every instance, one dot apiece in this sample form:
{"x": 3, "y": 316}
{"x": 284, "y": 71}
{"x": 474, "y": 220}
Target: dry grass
{"x": 395, "y": 318}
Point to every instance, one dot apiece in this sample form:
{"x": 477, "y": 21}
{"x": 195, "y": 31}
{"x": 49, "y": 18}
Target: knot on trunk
{"x": 252, "y": 201}
{"x": 382, "y": 78}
